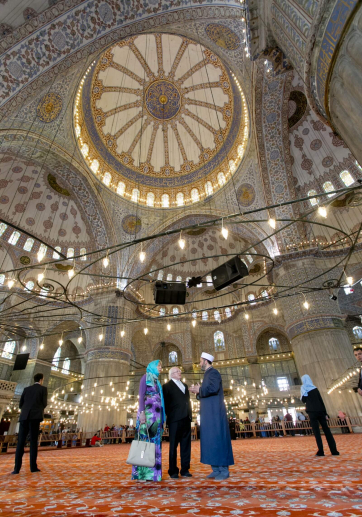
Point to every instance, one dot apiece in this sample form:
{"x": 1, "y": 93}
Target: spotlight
{"x": 322, "y": 211}
{"x": 106, "y": 261}
{"x": 145, "y": 330}
{"x": 272, "y": 223}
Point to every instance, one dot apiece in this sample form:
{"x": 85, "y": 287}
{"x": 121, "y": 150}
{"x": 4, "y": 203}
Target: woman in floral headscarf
{"x": 151, "y": 416}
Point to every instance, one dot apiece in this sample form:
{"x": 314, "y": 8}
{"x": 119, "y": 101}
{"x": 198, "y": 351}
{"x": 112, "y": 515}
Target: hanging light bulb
{"x": 106, "y": 261}
{"x": 100, "y": 337}
{"x": 193, "y": 323}
{"x": 349, "y": 280}
{"x": 275, "y": 310}
{"x": 224, "y": 230}
{"x": 322, "y": 211}
{"x": 60, "y": 342}
{"x": 181, "y": 241}
{"x": 142, "y": 255}
{"x": 41, "y": 277}
{"x": 71, "y": 272}
{"x": 41, "y": 346}
{"x": 246, "y": 316}
{"x": 80, "y": 339}
{"x": 272, "y": 223}
{"x": 11, "y": 282}
{"x": 145, "y": 330}
{"x": 24, "y": 348}
{"x": 168, "y": 326}
{"x": 122, "y": 333}
{"x": 306, "y": 304}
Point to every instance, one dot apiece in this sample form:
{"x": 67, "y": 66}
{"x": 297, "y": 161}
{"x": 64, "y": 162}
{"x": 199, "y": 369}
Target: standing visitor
{"x": 317, "y": 414}
{"x": 150, "y": 417}
{"x": 358, "y": 355}
{"x": 215, "y": 439}
{"x": 32, "y": 403}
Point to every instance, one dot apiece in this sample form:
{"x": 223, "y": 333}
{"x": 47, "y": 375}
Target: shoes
{"x": 213, "y": 475}
{"x": 320, "y": 453}
{"x": 14, "y": 472}
{"x": 37, "y": 470}
{"x": 186, "y": 475}
{"x": 174, "y": 476}
{"x": 221, "y": 476}
{"x": 336, "y": 453}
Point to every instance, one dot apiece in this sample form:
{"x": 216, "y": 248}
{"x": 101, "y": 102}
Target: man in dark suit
{"x": 178, "y": 419}
{"x": 32, "y": 403}
{"x": 358, "y": 356}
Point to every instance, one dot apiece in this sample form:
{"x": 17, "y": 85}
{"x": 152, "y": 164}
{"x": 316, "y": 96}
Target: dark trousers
{"x": 26, "y": 427}
{"x": 180, "y": 433}
{"x": 317, "y": 418}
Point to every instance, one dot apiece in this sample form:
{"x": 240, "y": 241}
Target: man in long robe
{"x": 215, "y": 438}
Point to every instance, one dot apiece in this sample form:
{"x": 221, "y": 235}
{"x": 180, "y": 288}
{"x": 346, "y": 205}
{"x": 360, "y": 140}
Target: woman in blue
{"x": 215, "y": 438}
{"x": 151, "y": 413}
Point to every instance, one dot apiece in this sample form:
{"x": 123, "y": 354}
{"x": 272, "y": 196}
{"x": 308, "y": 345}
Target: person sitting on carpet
{"x": 317, "y": 414}
{"x": 96, "y": 441}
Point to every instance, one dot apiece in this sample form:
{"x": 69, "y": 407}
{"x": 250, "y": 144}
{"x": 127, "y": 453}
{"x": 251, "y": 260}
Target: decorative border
{"x": 320, "y": 323}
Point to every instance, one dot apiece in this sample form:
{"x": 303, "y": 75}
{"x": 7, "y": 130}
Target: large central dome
{"x": 160, "y": 120}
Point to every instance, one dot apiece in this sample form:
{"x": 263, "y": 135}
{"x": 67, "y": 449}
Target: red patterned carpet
{"x": 272, "y": 477}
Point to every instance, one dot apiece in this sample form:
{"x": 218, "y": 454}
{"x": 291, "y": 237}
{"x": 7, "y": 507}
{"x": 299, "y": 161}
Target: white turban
{"x": 209, "y": 357}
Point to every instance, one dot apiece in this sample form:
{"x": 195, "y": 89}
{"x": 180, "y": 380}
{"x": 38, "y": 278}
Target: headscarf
{"x": 152, "y": 375}
{"x": 307, "y": 386}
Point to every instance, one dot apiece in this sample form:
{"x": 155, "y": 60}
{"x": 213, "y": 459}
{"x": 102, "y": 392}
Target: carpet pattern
{"x": 271, "y": 477}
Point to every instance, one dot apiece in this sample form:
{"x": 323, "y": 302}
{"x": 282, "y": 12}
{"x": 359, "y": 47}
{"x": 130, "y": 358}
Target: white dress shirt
{"x": 180, "y": 385}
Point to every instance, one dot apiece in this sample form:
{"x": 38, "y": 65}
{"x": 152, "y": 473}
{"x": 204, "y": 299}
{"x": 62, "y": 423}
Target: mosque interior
{"x": 154, "y": 141}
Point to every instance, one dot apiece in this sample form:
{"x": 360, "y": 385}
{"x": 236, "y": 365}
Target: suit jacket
{"x": 314, "y": 402}
{"x": 177, "y": 404}
{"x": 360, "y": 380}
{"x": 33, "y": 401}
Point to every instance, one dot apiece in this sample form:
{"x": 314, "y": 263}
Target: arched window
{"x": 160, "y": 275}
{"x": 209, "y": 280}
{"x": 172, "y": 357}
{"x": 179, "y": 279}
{"x": 180, "y": 199}
{"x": 357, "y": 331}
{"x": 175, "y": 310}
{"x": 219, "y": 341}
{"x": 209, "y": 188}
{"x": 3, "y": 227}
{"x": 66, "y": 366}
{"x": 83, "y": 253}
{"x": 14, "y": 237}
{"x": 169, "y": 277}
{"x": 42, "y": 252}
{"x": 265, "y": 294}
{"x": 194, "y": 314}
{"x": 55, "y": 254}
{"x": 205, "y": 316}
{"x": 121, "y": 187}
{"x": 313, "y": 200}
{"x": 195, "y": 196}
{"x": 228, "y": 312}
{"x": 274, "y": 344}
{"x": 55, "y": 361}
{"x": 95, "y": 166}
{"x": 221, "y": 178}
{"x": 107, "y": 178}
{"x": 165, "y": 200}
{"x": 2, "y": 278}
{"x": 347, "y": 178}
{"x": 9, "y": 350}
{"x": 135, "y": 195}
{"x": 150, "y": 199}
{"x": 217, "y": 316}
{"x": 162, "y": 311}
{"x": 328, "y": 187}
{"x": 70, "y": 252}
{"x": 28, "y": 244}
{"x": 29, "y": 286}
{"x": 85, "y": 150}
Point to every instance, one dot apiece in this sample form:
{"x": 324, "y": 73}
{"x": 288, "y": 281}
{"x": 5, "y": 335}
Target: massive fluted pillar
{"x": 320, "y": 343}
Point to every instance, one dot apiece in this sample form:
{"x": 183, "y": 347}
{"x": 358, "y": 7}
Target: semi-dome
{"x": 161, "y": 121}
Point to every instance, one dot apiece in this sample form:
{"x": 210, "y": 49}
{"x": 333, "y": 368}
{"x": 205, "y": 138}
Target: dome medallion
{"x": 160, "y": 120}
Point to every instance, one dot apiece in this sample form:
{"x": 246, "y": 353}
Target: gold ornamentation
{"x": 24, "y": 260}
{"x": 49, "y": 107}
{"x": 54, "y": 185}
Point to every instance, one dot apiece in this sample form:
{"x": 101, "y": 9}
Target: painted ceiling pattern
{"x": 160, "y": 111}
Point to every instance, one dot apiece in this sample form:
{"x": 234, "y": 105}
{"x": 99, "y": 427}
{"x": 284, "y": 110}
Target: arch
{"x": 180, "y": 199}
{"x": 150, "y": 199}
{"x": 328, "y": 187}
{"x": 166, "y": 351}
{"x": 346, "y": 178}
{"x": 263, "y": 345}
{"x": 165, "y": 200}
{"x": 107, "y": 178}
{"x": 56, "y": 358}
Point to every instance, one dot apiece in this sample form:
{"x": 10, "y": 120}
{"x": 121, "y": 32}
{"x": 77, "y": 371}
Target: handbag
{"x": 142, "y": 453}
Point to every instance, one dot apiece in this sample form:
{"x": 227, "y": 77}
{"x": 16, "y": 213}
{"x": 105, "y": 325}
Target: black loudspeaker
{"x": 228, "y": 273}
{"x": 21, "y": 361}
{"x": 166, "y": 293}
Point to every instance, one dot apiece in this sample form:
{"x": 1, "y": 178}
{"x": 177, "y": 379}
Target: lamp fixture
{"x": 106, "y": 261}
{"x": 193, "y": 323}
{"x": 224, "y": 230}
{"x": 272, "y": 223}
{"x": 168, "y": 326}
{"x": 322, "y": 211}
{"x": 145, "y": 330}
{"x": 181, "y": 241}
{"x": 11, "y": 282}
{"x": 122, "y": 333}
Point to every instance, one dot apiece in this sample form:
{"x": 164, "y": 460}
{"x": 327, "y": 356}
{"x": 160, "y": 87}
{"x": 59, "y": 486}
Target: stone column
{"x": 321, "y": 346}
{"x": 106, "y": 372}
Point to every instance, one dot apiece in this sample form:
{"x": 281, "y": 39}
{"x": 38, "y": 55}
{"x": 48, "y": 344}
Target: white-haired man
{"x": 178, "y": 419}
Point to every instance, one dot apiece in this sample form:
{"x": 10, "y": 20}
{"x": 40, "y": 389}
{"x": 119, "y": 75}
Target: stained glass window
{"x": 66, "y": 366}
{"x": 70, "y": 252}
{"x": 3, "y": 227}
{"x": 121, "y": 187}
{"x": 274, "y": 344}
{"x": 209, "y": 188}
{"x": 55, "y": 254}
{"x": 135, "y": 195}
{"x": 180, "y": 199}
{"x": 55, "y": 361}
{"x": 9, "y": 349}
{"x": 313, "y": 200}
{"x": 165, "y": 199}
{"x": 219, "y": 341}
{"x": 195, "y": 196}
{"x": 14, "y": 237}
{"x": 357, "y": 331}
{"x": 328, "y": 187}
{"x": 172, "y": 357}
{"x": 205, "y": 315}
{"x": 28, "y": 244}
{"x": 150, "y": 199}
{"x": 107, "y": 178}
{"x": 347, "y": 178}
